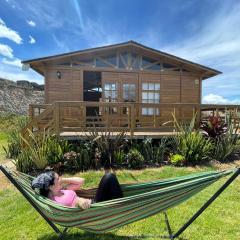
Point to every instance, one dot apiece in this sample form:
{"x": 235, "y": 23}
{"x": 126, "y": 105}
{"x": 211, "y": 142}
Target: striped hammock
{"x": 141, "y": 200}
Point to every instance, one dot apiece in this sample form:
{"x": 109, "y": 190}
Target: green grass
{"x": 3, "y": 143}
{"x": 18, "y": 220}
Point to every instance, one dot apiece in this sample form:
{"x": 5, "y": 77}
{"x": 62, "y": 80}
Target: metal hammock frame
{"x": 171, "y": 234}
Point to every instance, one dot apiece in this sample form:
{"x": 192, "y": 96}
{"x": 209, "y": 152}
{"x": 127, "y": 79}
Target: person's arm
{"x": 73, "y": 183}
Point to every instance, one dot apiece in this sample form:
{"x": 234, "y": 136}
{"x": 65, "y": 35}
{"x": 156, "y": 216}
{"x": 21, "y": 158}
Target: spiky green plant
{"x": 37, "y": 145}
{"x": 14, "y": 137}
{"x": 107, "y": 143}
{"x": 191, "y": 144}
{"x": 227, "y": 144}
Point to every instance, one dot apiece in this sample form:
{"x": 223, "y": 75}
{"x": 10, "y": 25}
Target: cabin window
{"x": 129, "y": 92}
{"x": 110, "y": 95}
{"x": 150, "y": 94}
{"x": 110, "y": 92}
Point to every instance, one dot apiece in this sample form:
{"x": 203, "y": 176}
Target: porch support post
{"x": 57, "y": 117}
{"x": 132, "y": 118}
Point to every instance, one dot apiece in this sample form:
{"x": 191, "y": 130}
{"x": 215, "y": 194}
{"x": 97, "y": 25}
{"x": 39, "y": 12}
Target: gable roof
{"x": 210, "y": 72}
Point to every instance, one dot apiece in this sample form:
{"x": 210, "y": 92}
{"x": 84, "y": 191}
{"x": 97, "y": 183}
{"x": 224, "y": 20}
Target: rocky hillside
{"x": 15, "y": 97}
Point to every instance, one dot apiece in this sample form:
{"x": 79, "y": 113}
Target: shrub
{"x": 24, "y": 162}
{"x": 135, "y": 159}
{"x": 119, "y": 157}
{"x": 86, "y": 162}
{"x": 227, "y": 144}
{"x": 147, "y": 150}
{"x": 13, "y": 148}
{"x": 191, "y": 144}
{"x": 37, "y": 145}
{"x": 56, "y": 148}
{"x": 177, "y": 159}
{"x": 214, "y": 127}
{"x": 162, "y": 149}
{"x": 107, "y": 144}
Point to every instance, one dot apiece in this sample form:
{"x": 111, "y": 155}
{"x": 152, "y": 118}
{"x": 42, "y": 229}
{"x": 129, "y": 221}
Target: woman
{"x": 61, "y": 190}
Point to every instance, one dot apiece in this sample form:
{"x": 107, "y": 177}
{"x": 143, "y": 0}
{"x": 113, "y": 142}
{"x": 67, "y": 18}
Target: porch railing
{"x": 64, "y": 116}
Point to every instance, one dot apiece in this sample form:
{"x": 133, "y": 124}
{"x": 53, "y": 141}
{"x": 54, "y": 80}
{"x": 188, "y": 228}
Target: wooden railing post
{"x": 30, "y": 111}
{"x": 132, "y": 126}
{"x": 198, "y": 116}
{"x": 57, "y": 118}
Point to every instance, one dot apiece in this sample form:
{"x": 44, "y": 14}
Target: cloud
{"x": 31, "y": 40}
{"x": 6, "y": 32}
{"x": 6, "y": 51}
{"x": 31, "y": 23}
{"x": 13, "y": 71}
{"x": 15, "y": 62}
{"x": 217, "y": 99}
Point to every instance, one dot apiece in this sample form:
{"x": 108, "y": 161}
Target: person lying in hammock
{"x": 62, "y": 190}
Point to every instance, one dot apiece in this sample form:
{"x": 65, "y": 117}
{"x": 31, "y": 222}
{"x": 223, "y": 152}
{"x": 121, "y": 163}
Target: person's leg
{"x": 109, "y": 188}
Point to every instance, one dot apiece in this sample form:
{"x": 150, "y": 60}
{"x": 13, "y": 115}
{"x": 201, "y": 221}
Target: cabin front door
{"x": 119, "y": 88}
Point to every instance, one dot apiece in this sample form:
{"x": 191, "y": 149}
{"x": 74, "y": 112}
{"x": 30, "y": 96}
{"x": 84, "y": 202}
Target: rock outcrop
{"x": 15, "y": 97}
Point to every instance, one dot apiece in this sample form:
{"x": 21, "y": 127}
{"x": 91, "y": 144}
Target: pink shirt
{"x": 68, "y": 198}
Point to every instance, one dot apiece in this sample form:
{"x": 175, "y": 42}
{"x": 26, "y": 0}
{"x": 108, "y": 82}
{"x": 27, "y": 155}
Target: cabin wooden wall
{"x": 175, "y": 87}
{"x": 67, "y": 88}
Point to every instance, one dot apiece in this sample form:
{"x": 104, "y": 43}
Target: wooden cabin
{"x": 122, "y": 86}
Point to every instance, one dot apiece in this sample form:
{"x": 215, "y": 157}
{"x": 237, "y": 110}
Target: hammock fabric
{"x": 141, "y": 200}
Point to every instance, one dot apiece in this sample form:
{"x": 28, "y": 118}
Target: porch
{"x": 74, "y": 119}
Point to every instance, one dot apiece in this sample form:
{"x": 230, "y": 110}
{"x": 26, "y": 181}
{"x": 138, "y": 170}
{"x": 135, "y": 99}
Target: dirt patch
{"x": 4, "y": 182}
{"x": 223, "y": 166}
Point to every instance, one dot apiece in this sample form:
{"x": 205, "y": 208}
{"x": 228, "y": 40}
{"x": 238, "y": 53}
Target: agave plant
{"x": 191, "y": 144}
{"x": 37, "y": 145}
{"x": 108, "y": 144}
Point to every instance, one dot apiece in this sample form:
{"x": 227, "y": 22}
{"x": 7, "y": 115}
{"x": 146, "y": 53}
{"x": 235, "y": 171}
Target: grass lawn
{"x": 18, "y": 220}
{"x": 3, "y": 142}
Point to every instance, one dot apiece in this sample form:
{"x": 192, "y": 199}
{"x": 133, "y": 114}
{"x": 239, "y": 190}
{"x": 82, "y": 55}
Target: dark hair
{"x": 43, "y": 181}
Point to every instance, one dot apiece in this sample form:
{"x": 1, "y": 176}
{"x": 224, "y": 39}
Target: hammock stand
{"x": 171, "y": 235}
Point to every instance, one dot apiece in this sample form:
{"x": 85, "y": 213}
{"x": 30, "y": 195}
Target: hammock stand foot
{"x": 62, "y": 234}
{"x": 201, "y": 210}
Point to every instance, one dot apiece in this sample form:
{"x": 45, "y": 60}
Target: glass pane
{"x": 151, "y": 100}
{"x": 106, "y": 86}
{"x": 100, "y": 63}
{"x": 157, "y": 86}
{"x": 145, "y": 101}
{"x": 151, "y": 86}
{"x": 157, "y": 111}
{"x": 144, "y": 95}
{"x": 113, "y": 95}
{"x": 135, "y": 62}
{"x": 156, "y": 96}
{"x": 154, "y": 67}
{"x": 166, "y": 65}
{"x": 144, "y": 111}
{"x": 113, "y": 86}
{"x": 111, "y": 59}
{"x": 150, "y": 95}
{"x": 150, "y": 111}
{"x": 147, "y": 60}
{"x": 125, "y": 86}
{"x": 145, "y": 86}
{"x": 107, "y": 94}
{"x": 132, "y": 87}
{"x": 131, "y": 97}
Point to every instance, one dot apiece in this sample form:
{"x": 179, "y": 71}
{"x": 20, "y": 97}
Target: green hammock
{"x": 141, "y": 200}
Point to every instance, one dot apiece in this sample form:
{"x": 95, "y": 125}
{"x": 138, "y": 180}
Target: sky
{"x": 202, "y": 31}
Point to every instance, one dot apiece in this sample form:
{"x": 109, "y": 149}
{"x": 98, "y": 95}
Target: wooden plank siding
{"x": 175, "y": 87}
